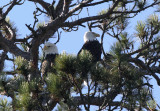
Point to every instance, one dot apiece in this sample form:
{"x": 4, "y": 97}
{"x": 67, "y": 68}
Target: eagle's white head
{"x": 90, "y": 36}
{"x": 50, "y": 48}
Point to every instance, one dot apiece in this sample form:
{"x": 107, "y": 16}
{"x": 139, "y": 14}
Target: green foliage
{"x": 152, "y": 105}
{"x": 5, "y": 29}
{"x": 103, "y": 12}
{"x": 84, "y": 62}
{"x": 141, "y": 30}
{"x": 3, "y": 80}
{"x": 54, "y": 84}
{"x": 131, "y": 73}
{"x": 135, "y": 92}
{"x": 124, "y": 38}
{"x": 99, "y": 73}
{"x": 154, "y": 23}
{"x": 40, "y": 24}
{"x": 147, "y": 31}
{"x": 121, "y": 22}
{"x": 141, "y": 3}
{"x": 114, "y": 75}
{"x": 65, "y": 63}
{"x": 117, "y": 51}
{"x": 71, "y": 64}
{"x": 34, "y": 85}
{"x": 8, "y": 20}
{"x": 105, "y": 76}
{"x": 125, "y": 41}
{"x": 24, "y": 47}
{"x": 153, "y": 19}
{"x": 5, "y": 105}
{"x": 24, "y": 88}
{"x": 158, "y": 43}
{"x": 122, "y": 3}
{"x": 70, "y": 71}
{"x": 64, "y": 107}
{"x": 137, "y": 97}
{"x": 22, "y": 65}
{"x": 12, "y": 24}
{"x": 9, "y": 84}
{"x": 23, "y": 99}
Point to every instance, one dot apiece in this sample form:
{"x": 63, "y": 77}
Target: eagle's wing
{"x": 94, "y": 47}
{"x": 44, "y": 68}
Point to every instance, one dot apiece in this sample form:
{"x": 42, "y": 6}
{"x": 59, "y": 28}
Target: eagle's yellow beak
{"x": 97, "y": 35}
{"x": 45, "y": 48}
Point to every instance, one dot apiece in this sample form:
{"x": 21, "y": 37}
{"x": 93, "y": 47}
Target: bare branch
{"x": 98, "y": 101}
{"x": 59, "y": 36}
{"x": 44, "y": 4}
{"x": 78, "y": 7}
{"x": 2, "y": 59}
{"x": 10, "y": 8}
{"x": 59, "y": 7}
{"x": 82, "y": 20}
{"x": 11, "y": 47}
{"x": 96, "y": 3}
{"x": 65, "y": 6}
{"x": 136, "y": 11}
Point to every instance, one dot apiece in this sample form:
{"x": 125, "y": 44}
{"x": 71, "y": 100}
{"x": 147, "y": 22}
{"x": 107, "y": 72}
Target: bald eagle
{"x": 92, "y": 45}
{"x": 50, "y": 51}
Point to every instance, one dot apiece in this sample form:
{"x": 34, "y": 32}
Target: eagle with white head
{"x": 92, "y": 45}
{"x": 50, "y": 51}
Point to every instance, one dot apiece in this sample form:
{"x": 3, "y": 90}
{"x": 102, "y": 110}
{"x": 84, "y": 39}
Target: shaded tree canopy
{"x": 125, "y": 71}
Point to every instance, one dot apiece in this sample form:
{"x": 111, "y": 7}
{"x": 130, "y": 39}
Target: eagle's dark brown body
{"x": 47, "y": 63}
{"x": 94, "y": 47}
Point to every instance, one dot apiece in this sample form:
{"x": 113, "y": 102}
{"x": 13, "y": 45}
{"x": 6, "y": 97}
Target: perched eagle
{"x": 50, "y": 51}
{"x": 92, "y": 45}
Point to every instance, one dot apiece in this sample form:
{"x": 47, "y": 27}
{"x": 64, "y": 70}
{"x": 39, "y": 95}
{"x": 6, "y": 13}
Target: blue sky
{"x": 71, "y": 42}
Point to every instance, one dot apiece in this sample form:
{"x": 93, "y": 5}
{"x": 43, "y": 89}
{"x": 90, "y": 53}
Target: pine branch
{"x": 137, "y": 11}
{"x": 10, "y": 72}
{"x": 98, "y": 101}
{"x": 141, "y": 64}
{"x": 145, "y": 47}
{"x": 10, "y": 33}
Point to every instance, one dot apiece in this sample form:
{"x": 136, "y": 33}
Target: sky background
{"x": 71, "y": 42}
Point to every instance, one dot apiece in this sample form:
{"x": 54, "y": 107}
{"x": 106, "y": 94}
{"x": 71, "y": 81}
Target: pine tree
{"x": 124, "y": 72}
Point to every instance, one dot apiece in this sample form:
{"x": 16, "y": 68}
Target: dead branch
{"x": 82, "y": 20}
{"x": 44, "y": 4}
{"x": 2, "y": 59}
{"x": 13, "y": 3}
{"x": 59, "y": 36}
{"x": 11, "y": 47}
